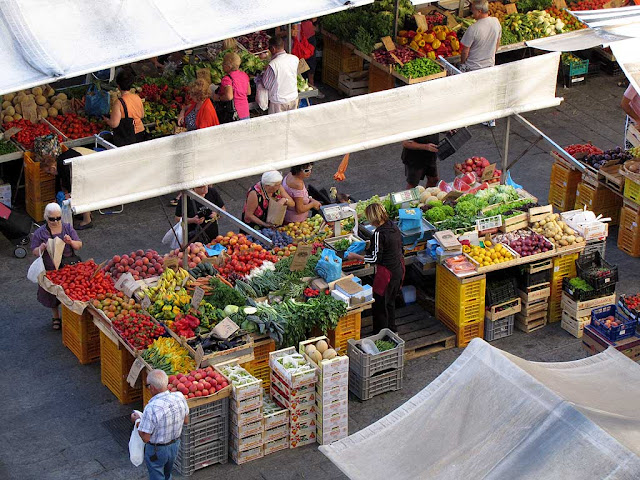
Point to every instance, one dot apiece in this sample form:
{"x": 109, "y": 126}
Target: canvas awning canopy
{"x": 240, "y": 149}
{"x": 43, "y": 41}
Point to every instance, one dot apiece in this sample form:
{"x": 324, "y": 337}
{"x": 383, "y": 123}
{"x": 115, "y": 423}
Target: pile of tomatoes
{"x": 244, "y": 255}
{"x": 138, "y": 330}
{"x": 28, "y": 132}
{"x": 587, "y": 149}
{"x": 74, "y": 126}
{"x": 588, "y": 4}
{"x": 632, "y": 302}
{"x": 77, "y": 281}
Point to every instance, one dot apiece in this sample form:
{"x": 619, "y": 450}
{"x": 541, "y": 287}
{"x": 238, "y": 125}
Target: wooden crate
{"x": 573, "y": 325}
{"x": 628, "y": 232}
{"x": 338, "y": 55}
{"x": 534, "y": 293}
{"x": 532, "y": 322}
{"x": 512, "y": 306}
{"x": 411, "y": 81}
{"x": 540, "y": 305}
{"x": 40, "y": 187}
{"x": 115, "y": 363}
{"x": 380, "y": 80}
{"x": 562, "y": 188}
{"x": 354, "y": 83}
{"x": 81, "y": 336}
{"x": 583, "y": 309}
{"x": 594, "y": 343}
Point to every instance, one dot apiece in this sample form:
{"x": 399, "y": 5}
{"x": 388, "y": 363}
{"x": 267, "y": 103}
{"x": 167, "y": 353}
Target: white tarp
{"x": 42, "y": 41}
{"x": 236, "y": 150}
{"x": 627, "y": 55}
{"x": 494, "y": 416}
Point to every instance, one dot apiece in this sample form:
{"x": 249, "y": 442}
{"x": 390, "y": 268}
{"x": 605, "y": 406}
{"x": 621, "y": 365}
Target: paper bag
{"x": 58, "y": 250}
{"x": 275, "y": 213}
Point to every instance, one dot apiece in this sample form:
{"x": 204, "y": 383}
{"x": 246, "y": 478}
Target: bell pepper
{"x": 436, "y": 44}
{"x": 413, "y": 45}
{"x": 441, "y": 35}
{"x": 427, "y": 48}
{"x": 402, "y": 33}
{"x": 455, "y": 44}
{"x": 452, "y": 34}
{"x": 420, "y": 30}
{"x": 402, "y": 40}
{"x": 431, "y": 55}
{"x": 418, "y": 37}
{"x": 429, "y": 38}
{"x": 422, "y": 43}
{"x": 455, "y": 53}
{"x": 411, "y": 34}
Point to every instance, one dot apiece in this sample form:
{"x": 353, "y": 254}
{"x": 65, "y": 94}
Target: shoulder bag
{"x": 226, "y": 109}
{"x": 124, "y": 133}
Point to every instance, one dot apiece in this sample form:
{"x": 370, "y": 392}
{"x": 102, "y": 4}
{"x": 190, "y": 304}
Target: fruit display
{"x": 47, "y": 103}
{"x": 80, "y": 283}
{"x": 420, "y": 67}
{"x": 404, "y": 54}
{"x": 432, "y": 43}
{"x": 430, "y": 194}
{"x": 525, "y": 242}
{"x": 74, "y": 126}
{"x": 137, "y": 329}
{"x": 170, "y": 305}
{"x": 489, "y": 254}
{"x": 243, "y": 256}
{"x": 237, "y": 375}
{"x": 319, "y": 351}
{"x": 28, "y": 132}
{"x": 140, "y": 264}
{"x": 197, "y": 383}
{"x": 477, "y": 166}
{"x": 285, "y": 251}
{"x": 115, "y": 305}
{"x": 588, "y": 5}
{"x": 582, "y": 150}
{"x": 195, "y": 254}
{"x": 166, "y": 353}
{"x": 599, "y": 159}
{"x": 310, "y": 292}
{"x": 256, "y": 42}
{"x": 279, "y": 238}
{"x": 309, "y": 230}
{"x": 557, "y": 231}
{"x": 631, "y": 303}
{"x": 163, "y": 99}
{"x": 169, "y": 282}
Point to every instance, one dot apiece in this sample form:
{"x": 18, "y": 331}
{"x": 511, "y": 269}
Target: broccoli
{"x": 435, "y": 203}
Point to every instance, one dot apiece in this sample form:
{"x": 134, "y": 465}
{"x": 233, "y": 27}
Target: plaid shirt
{"x": 163, "y": 417}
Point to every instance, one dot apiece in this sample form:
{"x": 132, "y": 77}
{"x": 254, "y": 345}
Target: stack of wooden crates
{"x": 534, "y": 288}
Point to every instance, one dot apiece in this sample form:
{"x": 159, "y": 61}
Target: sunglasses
{"x": 148, "y": 385}
{"x": 54, "y": 219}
{"x": 307, "y": 170}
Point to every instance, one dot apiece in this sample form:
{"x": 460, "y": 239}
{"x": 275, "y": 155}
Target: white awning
{"x": 240, "y": 149}
{"x": 43, "y": 41}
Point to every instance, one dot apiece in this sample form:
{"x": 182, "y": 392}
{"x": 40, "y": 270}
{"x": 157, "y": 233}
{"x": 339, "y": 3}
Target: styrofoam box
{"x": 247, "y": 430}
{"x": 276, "y": 445}
{"x": 247, "y": 404}
{"x": 330, "y": 394}
{"x": 293, "y": 380}
{"x": 275, "y": 433}
{"x": 276, "y": 419}
{"x": 327, "y": 422}
{"x": 333, "y": 435}
{"x": 246, "y": 456}
{"x": 246, "y": 417}
{"x": 294, "y": 396}
{"x": 246, "y": 443}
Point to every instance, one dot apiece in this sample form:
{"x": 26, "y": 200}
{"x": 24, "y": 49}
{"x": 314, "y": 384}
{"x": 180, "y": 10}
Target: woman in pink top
{"x": 294, "y": 185}
{"x": 631, "y": 103}
{"x": 235, "y": 85}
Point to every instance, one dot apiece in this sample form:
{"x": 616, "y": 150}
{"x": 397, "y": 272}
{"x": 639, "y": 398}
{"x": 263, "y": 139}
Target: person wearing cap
{"x": 268, "y": 189}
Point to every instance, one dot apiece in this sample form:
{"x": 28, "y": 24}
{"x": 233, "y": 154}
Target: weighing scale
{"x": 404, "y": 198}
{"x": 335, "y": 213}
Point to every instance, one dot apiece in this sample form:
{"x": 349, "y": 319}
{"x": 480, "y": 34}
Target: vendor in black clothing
{"x": 203, "y": 223}
{"x": 420, "y": 158}
{"x": 386, "y": 252}
{"x": 63, "y": 180}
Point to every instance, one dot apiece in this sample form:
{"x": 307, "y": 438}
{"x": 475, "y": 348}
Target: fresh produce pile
{"x": 525, "y": 6}
{"x": 582, "y": 149}
{"x": 342, "y": 244}
{"x": 498, "y": 10}
{"x": 7, "y": 146}
{"x": 438, "y": 212}
{"x": 432, "y": 43}
{"x": 569, "y": 59}
{"x": 243, "y": 256}
{"x": 511, "y": 209}
{"x": 139, "y": 264}
{"x": 581, "y": 284}
{"x": 279, "y": 238}
{"x": 168, "y": 355}
{"x": 310, "y": 292}
{"x": 294, "y": 363}
{"x": 385, "y": 345}
{"x": 237, "y": 375}
{"x": 429, "y": 194}
{"x": 204, "y": 269}
{"x": 138, "y": 330}
{"x": 47, "y": 103}
{"x": 28, "y": 132}
{"x": 404, "y": 54}
{"x": 598, "y": 160}
{"x": 588, "y": 5}
{"x": 303, "y": 84}
{"x": 526, "y": 243}
{"x": 163, "y": 98}
{"x": 477, "y": 166}
{"x": 527, "y": 26}
{"x": 249, "y": 63}
{"x": 115, "y": 305}
{"x": 197, "y": 383}
{"x": 635, "y": 152}
{"x": 256, "y": 42}
{"x": 632, "y": 302}
{"x": 557, "y": 231}
{"x": 185, "y": 326}
{"x": 74, "y": 126}
{"x": 320, "y": 351}
{"x": 306, "y": 231}
{"x": 79, "y": 283}
{"x": 169, "y": 282}
{"x": 170, "y": 305}
{"x": 489, "y": 254}
{"x": 420, "y": 67}
{"x": 195, "y": 254}
{"x": 211, "y": 344}
{"x": 570, "y": 22}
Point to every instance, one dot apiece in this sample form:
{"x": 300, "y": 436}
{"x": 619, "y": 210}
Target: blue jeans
{"x": 160, "y": 469}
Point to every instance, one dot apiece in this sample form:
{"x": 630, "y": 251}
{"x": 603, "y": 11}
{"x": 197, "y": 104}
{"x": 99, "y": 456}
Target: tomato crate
{"x": 631, "y": 190}
{"x": 626, "y": 326}
{"x": 366, "y": 365}
{"x": 463, "y": 300}
{"x": 262, "y": 372}
{"x": 628, "y": 311}
{"x": 40, "y": 187}
{"x": 464, "y": 333}
{"x": 628, "y": 232}
{"x": 81, "y": 336}
{"x": 367, "y": 388}
{"x": 115, "y": 363}
{"x": 493, "y": 330}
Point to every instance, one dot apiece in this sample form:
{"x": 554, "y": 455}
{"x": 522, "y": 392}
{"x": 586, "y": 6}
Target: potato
{"x": 557, "y": 237}
{"x": 7, "y": 119}
{"x": 9, "y": 111}
{"x": 62, "y": 97}
{"x": 579, "y": 239}
{"x": 561, "y": 224}
{"x": 36, "y": 91}
{"x": 541, "y": 223}
{"x": 9, "y": 96}
{"x": 17, "y": 116}
{"x": 564, "y": 243}
{"x": 41, "y": 100}
{"x": 571, "y": 238}
{"x": 57, "y": 105}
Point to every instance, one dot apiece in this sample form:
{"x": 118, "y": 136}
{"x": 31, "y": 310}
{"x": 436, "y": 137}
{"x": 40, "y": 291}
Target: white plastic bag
{"x": 136, "y": 446}
{"x": 67, "y": 214}
{"x": 262, "y": 96}
{"x": 173, "y": 237}
{"x": 35, "y": 269}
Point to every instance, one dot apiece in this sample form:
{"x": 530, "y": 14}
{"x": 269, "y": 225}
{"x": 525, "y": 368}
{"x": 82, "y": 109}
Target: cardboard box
{"x": 247, "y": 430}
{"x": 329, "y": 421}
{"x": 275, "y": 419}
{"x": 302, "y": 437}
{"x": 339, "y": 364}
{"x": 246, "y": 417}
{"x": 331, "y": 394}
{"x": 293, "y": 380}
{"x": 327, "y": 409}
{"x": 276, "y": 445}
{"x": 327, "y": 382}
{"x": 294, "y": 396}
{"x": 243, "y": 457}
{"x": 242, "y": 392}
{"x": 246, "y": 443}
{"x": 326, "y": 437}
{"x": 302, "y": 423}
{"x": 248, "y": 404}
{"x": 275, "y": 433}
{"x": 294, "y": 407}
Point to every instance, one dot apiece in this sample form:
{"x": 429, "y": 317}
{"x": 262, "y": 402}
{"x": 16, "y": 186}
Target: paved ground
{"x": 55, "y": 409}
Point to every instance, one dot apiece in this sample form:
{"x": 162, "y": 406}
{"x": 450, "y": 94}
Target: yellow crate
{"x": 629, "y": 233}
{"x": 632, "y": 190}
{"x": 339, "y": 56}
{"x": 348, "y": 328}
{"x": 263, "y": 372}
{"x": 461, "y": 300}
{"x": 115, "y": 363}
{"x": 40, "y": 187}
{"x": 564, "y": 266}
{"x": 464, "y": 333}
{"x": 81, "y": 336}
{"x": 563, "y": 184}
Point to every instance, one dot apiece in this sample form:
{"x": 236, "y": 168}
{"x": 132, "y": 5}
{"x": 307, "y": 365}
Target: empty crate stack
{"x": 502, "y": 303}
{"x": 534, "y": 290}
{"x": 293, "y": 386}
{"x": 259, "y": 366}
{"x": 563, "y": 267}
{"x": 275, "y": 424}
{"x": 372, "y": 373}
{"x": 332, "y": 389}
{"x": 564, "y": 182}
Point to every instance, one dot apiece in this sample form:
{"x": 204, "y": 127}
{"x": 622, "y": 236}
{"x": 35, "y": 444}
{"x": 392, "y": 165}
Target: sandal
{"x": 56, "y": 323}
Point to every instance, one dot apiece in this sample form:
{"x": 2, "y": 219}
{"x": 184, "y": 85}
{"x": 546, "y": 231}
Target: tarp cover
{"x": 42, "y": 41}
{"x": 492, "y": 415}
{"x": 240, "y": 149}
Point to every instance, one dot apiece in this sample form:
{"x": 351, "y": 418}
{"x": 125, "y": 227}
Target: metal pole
{"x": 185, "y": 231}
{"x": 505, "y": 157}
{"x": 395, "y": 24}
{"x": 289, "y": 38}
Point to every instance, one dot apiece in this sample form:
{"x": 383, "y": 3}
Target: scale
{"x": 404, "y": 198}
{"x": 337, "y": 212}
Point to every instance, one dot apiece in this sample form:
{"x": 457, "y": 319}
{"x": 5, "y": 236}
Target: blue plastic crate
{"x": 626, "y": 328}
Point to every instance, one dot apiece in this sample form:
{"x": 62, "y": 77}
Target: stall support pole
{"x": 185, "y": 231}
{"x": 288, "y": 38}
{"x": 395, "y": 24}
{"x": 505, "y": 156}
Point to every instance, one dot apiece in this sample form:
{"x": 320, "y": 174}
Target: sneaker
{"x": 490, "y": 124}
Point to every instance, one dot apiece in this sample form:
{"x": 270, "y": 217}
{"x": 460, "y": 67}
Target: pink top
{"x": 634, "y": 99}
{"x": 291, "y": 215}
{"x": 240, "y": 85}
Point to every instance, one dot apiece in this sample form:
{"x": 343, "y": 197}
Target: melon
{"x": 52, "y": 112}
{"x": 321, "y": 346}
{"x": 329, "y": 354}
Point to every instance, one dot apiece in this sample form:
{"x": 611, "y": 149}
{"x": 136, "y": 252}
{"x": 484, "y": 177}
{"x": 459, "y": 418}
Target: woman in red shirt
{"x": 200, "y": 113}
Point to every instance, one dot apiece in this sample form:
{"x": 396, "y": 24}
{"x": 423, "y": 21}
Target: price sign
{"x": 511, "y": 8}
{"x": 300, "y": 258}
{"x": 171, "y": 262}
{"x": 421, "y": 22}
{"x": 198, "y": 295}
{"x": 487, "y": 173}
{"x": 199, "y": 355}
{"x": 146, "y": 302}
{"x": 127, "y": 284}
{"x": 225, "y": 329}
{"x": 405, "y": 196}
{"x": 134, "y": 372}
{"x": 388, "y": 44}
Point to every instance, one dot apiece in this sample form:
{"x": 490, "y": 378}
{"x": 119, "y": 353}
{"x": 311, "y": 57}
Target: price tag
{"x": 127, "y": 284}
{"x": 146, "y": 302}
{"x": 134, "y": 372}
{"x": 487, "y": 173}
{"x": 199, "y": 355}
{"x": 198, "y": 295}
{"x": 171, "y": 262}
{"x": 559, "y": 4}
{"x": 300, "y": 258}
{"x": 388, "y": 44}
{"x": 511, "y": 8}
{"x": 225, "y": 329}
{"x": 421, "y": 22}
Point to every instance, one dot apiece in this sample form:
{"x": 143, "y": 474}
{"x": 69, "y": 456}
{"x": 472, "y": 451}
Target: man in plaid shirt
{"x": 161, "y": 425}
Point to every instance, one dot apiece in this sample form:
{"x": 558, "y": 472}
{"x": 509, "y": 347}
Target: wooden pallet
{"x": 422, "y": 333}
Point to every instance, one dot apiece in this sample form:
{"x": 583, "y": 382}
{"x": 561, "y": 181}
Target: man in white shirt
{"x": 161, "y": 426}
{"x": 281, "y": 78}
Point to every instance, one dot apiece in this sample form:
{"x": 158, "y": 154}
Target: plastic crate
{"x": 581, "y": 295}
{"x": 564, "y": 266}
{"x": 576, "y": 68}
{"x": 629, "y": 312}
{"x": 562, "y": 189}
{"x": 262, "y": 372}
{"x": 626, "y": 329}
{"x": 367, "y": 388}
{"x": 365, "y": 365}
{"x": 464, "y": 333}
{"x": 526, "y": 280}
{"x": 629, "y": 233}
{"x": 500, "y": 291}
{"x": 631, "y": 190}
{"x": 115, "y": 363}
{"x": 339, "y": 56}
{"x": 199, "y": 457}
{"x": 461, "y": 300}
{"x": 81, "y": 336}
{"x": 588, "y": 266}
{"x": 599, "y": 199}
{"x": 594, "y": 246}
{"x": 261, "y": 350}
{"x": 348, "y": 328}
{"x": 40, "y": 187}
{"x": 217, "y": 408}
{"x": 196, "y": 434}
{"x": 493, "y": 330}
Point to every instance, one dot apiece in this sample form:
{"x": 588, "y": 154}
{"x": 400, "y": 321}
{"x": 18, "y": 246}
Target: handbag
{"x": 124, "y": 133}
{"x": 96, "y": 101}
{"x": 36, "y": 268}
{"x": 226, "y": 109}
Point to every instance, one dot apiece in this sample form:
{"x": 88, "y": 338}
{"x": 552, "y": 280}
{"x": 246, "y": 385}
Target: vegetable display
{"x": 165, "y": 353}
{"x": 115, "y": 305}
{"x": 526, "y": 243}
{"x": 6, "y": 146}
{"x": 197, "y": 383}
{"x": 237, "y": 375}
{"x": 584, "y": 149}
{"x": 224, "y": 295}
{"x": 28, "y": 132}
{"x": 489, "y": 254}
{"x": 420, "y": 67}
{"x": 557, "y": 231}
{"x": 384, "y": 345}
{"x": 79, "y": 282}
{"x": 617, "y": 154}
{"x": 256, "y": 42}
{"x": 169, "y": 282}
{"x": 196, "y": 253}
{"x": 580, "y": 284}
{"x": 74, "y": 126}
{"x": 138, "y": 330}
